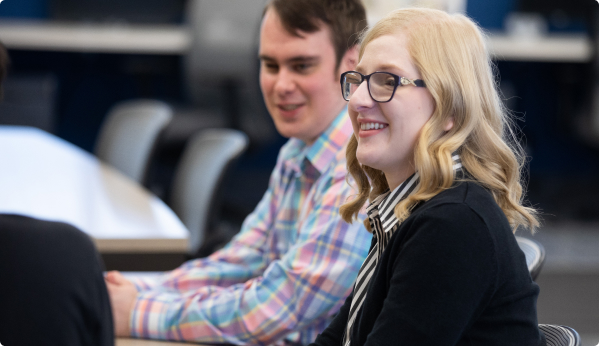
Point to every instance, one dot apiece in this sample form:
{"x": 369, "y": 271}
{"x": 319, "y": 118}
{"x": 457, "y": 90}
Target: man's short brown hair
{"x": 3, "y": 65}
{"x": 345, "y": 18}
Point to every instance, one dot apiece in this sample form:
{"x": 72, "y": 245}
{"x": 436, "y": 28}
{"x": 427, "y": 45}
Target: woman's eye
{"x": 390, "y": 82}
{"x": 353, "y": 79}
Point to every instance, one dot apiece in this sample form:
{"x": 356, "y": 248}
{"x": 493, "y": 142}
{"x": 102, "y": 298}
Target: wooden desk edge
{"x": 145, "y": 342}
{"x": 107, "y": 246}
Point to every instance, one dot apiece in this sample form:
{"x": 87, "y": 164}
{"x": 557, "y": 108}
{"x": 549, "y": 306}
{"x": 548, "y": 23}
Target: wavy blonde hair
{"x": 450, "y": 53}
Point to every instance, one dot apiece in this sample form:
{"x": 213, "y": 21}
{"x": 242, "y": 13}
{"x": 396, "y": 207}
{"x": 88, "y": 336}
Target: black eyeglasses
{"x": 381, "y": 85}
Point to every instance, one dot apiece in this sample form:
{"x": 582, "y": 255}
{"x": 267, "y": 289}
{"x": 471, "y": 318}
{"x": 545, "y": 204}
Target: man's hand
{"x": 122, "y": 294}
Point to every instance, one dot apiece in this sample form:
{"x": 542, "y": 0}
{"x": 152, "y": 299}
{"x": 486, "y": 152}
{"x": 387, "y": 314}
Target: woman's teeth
{"x": 372, "y": 126}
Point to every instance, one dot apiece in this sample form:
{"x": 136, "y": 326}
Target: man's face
{"x": 298, "y": 79}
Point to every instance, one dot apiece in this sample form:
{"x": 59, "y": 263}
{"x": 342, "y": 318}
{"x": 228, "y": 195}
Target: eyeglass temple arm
{"x": 414, "y": 82}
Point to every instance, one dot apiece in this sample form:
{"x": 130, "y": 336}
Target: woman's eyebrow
{"x": 383, "y": 68}
{"x": 391, "y": 67}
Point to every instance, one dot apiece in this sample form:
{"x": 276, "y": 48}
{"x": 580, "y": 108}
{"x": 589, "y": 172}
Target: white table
{"x": 547, "y": 48}
{"x": 46, "y": 177}
{"x": 94, "y": 38}
{"x": 176, "y": 39}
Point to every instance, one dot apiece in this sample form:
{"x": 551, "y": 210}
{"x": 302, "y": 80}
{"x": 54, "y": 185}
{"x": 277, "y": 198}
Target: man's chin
{"x": 286, "y": 130}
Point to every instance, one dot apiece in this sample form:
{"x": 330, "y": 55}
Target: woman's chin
{"x": 366, "y": 159}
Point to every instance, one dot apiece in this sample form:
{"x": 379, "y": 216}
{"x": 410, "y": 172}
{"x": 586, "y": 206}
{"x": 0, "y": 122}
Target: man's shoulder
{"x": 339, "y": 163}
{"x": 20, "y": 221}
{"x": 25, "y": 226}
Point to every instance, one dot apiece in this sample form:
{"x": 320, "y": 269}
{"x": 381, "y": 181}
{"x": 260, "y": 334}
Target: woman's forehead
{"x": 387, "y": 52}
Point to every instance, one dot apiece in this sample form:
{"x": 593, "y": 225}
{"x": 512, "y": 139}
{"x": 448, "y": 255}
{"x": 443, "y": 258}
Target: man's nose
{"x": 285, "y": 83}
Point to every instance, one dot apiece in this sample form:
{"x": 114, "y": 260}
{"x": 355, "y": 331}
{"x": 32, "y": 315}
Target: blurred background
{"x": 72, "y": 60}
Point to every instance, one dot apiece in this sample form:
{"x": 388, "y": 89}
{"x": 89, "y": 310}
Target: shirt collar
{"x": 384, "y": 205}
{"x": 325, "y": 147}
{"x": 330, "y": 142}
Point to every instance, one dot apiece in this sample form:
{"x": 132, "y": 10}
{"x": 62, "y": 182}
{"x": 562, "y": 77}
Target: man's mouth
{"x": 290, "y": 107}
{"x": 372, "y": 126}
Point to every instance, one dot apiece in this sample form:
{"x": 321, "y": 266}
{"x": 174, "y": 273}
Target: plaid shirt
{"x": 287, "y": 271}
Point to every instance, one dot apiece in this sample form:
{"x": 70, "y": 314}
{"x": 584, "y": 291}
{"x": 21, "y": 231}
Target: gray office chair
{"x": 560, "y": 335}
{"x": 222, "y": 64}
{"x": 220, "y": 77}
{"x": 535, "y": 255}
{"x": 198, "y": 176}
{"x": 129, "y": 133}
{"x": 224, "y": 45}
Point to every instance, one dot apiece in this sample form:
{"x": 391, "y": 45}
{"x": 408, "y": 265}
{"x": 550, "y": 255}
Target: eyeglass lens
{"x": 380, "y": 85}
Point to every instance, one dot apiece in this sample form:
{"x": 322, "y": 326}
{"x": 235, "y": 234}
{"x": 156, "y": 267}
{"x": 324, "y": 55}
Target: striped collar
{"x": 383, "y": 206}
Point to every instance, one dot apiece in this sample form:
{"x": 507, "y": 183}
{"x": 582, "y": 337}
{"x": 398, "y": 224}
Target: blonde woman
{"x": 434, "y": 154}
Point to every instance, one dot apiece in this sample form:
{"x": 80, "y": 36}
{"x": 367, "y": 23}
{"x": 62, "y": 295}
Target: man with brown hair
{"x": 294, "y": 261}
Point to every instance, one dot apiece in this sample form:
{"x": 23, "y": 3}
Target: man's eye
{"x": 301, "y": 67}
{"x": 271, "y": 67}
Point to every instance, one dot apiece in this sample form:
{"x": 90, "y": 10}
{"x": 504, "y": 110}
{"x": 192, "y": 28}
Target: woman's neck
{"x": 398, "y": 176}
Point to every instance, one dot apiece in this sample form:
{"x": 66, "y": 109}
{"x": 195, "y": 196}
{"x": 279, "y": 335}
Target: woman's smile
{"x": 371, "y": 128}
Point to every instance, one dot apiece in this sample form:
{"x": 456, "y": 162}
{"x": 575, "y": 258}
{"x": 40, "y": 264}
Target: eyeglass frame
{"x": 399, "y": 81}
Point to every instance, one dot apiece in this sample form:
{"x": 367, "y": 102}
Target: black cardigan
{"x": 451, "y": 274}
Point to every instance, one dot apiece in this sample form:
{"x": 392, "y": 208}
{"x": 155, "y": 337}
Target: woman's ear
{"x": 448, "y": 124}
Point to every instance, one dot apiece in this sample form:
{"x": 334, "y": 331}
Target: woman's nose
{"x": 361, "y": 99}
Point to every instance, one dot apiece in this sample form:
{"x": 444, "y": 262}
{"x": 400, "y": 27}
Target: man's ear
{"x": 350, "y": 59}
{"x": 448, "y": 124}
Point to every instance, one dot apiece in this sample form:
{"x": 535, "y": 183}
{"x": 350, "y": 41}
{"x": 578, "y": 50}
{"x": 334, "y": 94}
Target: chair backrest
{"x": 534, "y": 253}
{"x": 560, "y": 335}
{"x": 129, "y": 133}
{"x": 225, "y": 36}
{"x": 198, "y": 176}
